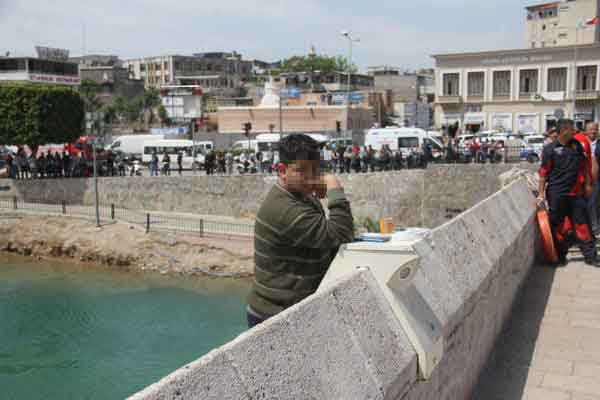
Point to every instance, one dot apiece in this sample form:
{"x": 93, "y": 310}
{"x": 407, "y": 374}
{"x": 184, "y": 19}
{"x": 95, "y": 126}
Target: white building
{"x": 37, "y": 70}
{"x": 555, "y": 23}
{"x": 517, "y": 90}
{"x": 182, "y": 103}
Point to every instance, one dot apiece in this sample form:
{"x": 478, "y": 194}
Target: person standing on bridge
{"x": 294, "y": 241}
{"x": 565, "y": 182}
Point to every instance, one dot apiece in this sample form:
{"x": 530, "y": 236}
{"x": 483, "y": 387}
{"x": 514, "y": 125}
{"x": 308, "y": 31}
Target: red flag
{"x": 593, "y": 21}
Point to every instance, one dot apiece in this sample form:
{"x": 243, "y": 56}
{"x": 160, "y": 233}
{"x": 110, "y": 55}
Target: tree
{"x": 89, "y": 91}
{"x": 133, "y": 109}
{"x": 320, "y": 63}
{"x": 120, "y": 107}
{"x": 36, "y": 115}
{"x": 163, "y": 115}
{"x": 110, "y": 114}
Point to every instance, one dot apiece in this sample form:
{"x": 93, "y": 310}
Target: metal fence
{"x": 203, "y": 226}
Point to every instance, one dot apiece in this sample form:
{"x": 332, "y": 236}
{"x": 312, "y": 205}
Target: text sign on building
{"x": 502, "y": 121}
{"x": 51, "y": 53}
{"x": 527, "y": 123}
{"x": 340, "y": 98}
{"x": 291, "y": 92}
{"x": 516, "y": 60}
{"x": 61, "y": 80}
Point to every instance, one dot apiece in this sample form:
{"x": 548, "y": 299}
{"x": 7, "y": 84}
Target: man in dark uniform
{"x": 565, "y": 182}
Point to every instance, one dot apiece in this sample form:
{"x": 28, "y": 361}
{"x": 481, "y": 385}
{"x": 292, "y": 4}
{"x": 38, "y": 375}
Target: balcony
{"x": 475, "y": 98}
{"x": 501, "y": 97}
{"x": 454, "y": 99}
{"x": 586, "y": 95}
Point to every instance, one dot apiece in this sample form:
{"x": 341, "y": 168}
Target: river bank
{"x": 123, "y": 246}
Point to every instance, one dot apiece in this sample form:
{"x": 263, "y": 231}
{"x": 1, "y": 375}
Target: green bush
{"x": 35, "y": 115}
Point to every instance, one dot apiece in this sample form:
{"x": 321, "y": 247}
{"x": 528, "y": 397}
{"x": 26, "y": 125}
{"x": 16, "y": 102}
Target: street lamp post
{"x": 351, "y": 40}
{"x": 94, "y": 143}
{"x": 280, "y": 114}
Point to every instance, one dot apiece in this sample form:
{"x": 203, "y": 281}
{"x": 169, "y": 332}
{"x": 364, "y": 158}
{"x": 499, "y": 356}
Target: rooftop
{"x": 543, "y": 5}
{"x": 539, "y": 50}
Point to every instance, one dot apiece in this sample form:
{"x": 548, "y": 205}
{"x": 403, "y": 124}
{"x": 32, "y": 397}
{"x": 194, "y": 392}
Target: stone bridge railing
{"x": 345, "y": 342}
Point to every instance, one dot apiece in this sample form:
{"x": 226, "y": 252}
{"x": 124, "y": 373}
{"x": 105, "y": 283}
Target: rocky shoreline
{"x": 123, "y": 246}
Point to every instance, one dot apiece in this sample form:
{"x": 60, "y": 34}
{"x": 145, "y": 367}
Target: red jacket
{"x": 587, "y": 148}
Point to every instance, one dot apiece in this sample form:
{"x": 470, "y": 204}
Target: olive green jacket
{"x": 294, "y": 243}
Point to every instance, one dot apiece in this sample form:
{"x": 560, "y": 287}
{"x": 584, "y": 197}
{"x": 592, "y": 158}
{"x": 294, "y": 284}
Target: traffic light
{"x": 338, "y": 126}
{"x": 247, "y": 128}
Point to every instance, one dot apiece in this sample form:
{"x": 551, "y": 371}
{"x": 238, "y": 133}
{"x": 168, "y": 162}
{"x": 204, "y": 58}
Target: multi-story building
{"x": 35, "y": 70}
{"x": 97, "y": 60}
{"x": 558, "y": 23}
{"x": 517, "y": 90}
{"x": 182, "y": 103}
{"x": 114, "y": 81}
{"x": 409, "y": 94}
{"x": 219, "y": 74}
{"x": 50, "y": 67}
{"x": 521, "y": 90}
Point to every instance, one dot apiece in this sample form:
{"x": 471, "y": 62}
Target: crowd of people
{"x": 62, "y": 165}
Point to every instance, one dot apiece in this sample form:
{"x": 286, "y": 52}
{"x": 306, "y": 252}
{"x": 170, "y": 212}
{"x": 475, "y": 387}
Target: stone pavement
{"x": 550, "y": 348}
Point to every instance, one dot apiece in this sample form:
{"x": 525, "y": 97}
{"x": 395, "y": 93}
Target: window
{"x": 586, "y": 78}
{"x": 451, "y": 84}
{"x": 501, "y": 83}
{"x": 475, "y": 81}
{"x": 528, "y": 81}
{"x": 408, "y": 142}
{"x": 12, "y": 65}
{"x": 557, "y": 79}
{"x": 474, "y": 108}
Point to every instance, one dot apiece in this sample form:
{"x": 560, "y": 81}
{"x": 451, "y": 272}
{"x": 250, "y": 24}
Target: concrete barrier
{"x": 411, "y": 197}
{"x": 345, "y": 342}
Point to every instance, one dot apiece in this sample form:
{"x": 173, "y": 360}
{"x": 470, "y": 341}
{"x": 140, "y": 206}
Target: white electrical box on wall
{"x": 394, "y": 265}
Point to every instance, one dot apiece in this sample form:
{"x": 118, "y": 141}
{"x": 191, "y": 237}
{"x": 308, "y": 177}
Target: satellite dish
{"x": 559, "y": 113}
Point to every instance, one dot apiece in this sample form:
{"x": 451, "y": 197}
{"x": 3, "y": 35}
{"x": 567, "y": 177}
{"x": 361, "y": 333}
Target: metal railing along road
{"x": 151, "y": 221}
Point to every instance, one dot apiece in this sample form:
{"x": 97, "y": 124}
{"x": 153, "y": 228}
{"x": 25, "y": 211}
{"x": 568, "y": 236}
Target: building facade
{"x": 411, "y": 95}
{"x": 517, "y": 90}
{"x": 182, "y": 103}
{"x": 219, "y": 74}
{"x": 114, "y": 81}
{"x": 38, "y": 70}
{"x": 561, "y": 23}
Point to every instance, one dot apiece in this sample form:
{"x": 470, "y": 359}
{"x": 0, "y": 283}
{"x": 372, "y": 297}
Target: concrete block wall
{"x": 411, "y": 197}
{"x": 346, "y": 343}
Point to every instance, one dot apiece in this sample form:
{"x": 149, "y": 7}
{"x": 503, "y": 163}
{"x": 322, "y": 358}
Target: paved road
{"x": 550, "y": 349}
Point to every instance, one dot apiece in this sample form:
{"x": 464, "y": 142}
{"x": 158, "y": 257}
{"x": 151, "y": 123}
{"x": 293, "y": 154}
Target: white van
{"x": 271, "y": 140}
{"x": 133, "y": 145}
{"x": 245, "y": 145}
{"x": 173, "y": 148}
{"x": 404, "y": 139}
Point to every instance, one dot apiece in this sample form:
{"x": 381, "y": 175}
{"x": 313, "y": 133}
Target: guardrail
{"x": 202, "y": 226}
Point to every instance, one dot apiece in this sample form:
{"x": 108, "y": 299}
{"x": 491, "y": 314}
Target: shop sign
{"x": 502, "y": 121}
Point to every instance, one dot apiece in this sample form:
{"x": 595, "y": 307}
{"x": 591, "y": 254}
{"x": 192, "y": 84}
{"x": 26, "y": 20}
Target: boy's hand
{"x": 331, "y": 182}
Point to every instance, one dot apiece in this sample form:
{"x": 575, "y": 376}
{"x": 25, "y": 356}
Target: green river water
{"x": 71, "y": 332}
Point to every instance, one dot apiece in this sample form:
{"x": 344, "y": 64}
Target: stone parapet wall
{"x": 411, "y": 197}
{"x": 345, "y": 342}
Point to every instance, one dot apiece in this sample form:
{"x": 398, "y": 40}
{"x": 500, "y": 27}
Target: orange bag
{"x": 547, "y": 240}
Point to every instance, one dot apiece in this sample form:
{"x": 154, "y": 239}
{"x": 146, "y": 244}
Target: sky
{"x": 398, "y": 33}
